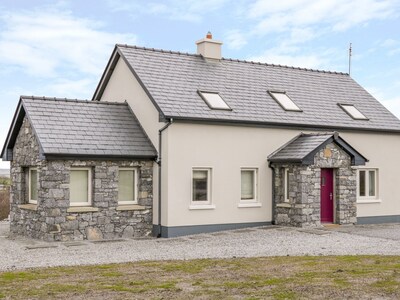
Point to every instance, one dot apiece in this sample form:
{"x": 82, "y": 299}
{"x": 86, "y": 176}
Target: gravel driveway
{"x": 23, "y": 253}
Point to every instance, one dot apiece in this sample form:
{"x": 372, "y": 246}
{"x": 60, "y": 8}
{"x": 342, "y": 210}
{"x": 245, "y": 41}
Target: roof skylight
{"x": 353, "y": 112}
{"x": 214, "y": 100}
{"x": 283, "y": 100}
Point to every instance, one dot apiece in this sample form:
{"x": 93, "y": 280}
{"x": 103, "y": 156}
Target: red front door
{"x": 327, "y": 195}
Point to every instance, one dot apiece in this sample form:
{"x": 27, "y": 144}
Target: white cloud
{"x": 337, "y": 15}
{"x": 296, "y": 56}
{"x": 392, "y": 46}
{"x": 71, "y": 88}
{"x": 393, "y": 104}
{"x": 234, "y": 39}
{"x": 296, "y": 22}
{"x": 189, "y": 10}
{"x": 262, "y": 8}
{"x": 390, "y": 43}
{"x": 304, "y": 61}
{"x": 42, "y": 43}
{"x": 390, "y": 101}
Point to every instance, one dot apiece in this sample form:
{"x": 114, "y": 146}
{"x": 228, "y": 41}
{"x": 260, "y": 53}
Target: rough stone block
{"x": 54, "y": 212}
{"x": 70, "y": 225}
{"x": 93, "y": 234}
{"x": 54, "y": 228}
{"x": 56, "y": 193}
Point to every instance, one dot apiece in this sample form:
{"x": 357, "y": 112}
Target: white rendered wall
{"x": 122, "y": 86}
{"x": 228, "y": 148}
{"x": 381, "y": 150}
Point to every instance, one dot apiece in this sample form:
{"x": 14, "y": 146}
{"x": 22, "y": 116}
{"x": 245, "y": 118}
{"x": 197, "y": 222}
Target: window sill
{"x": 28, "y": 206}
{"x": 200, "y": 206}
{"x": 365, "y": 201}
{"x": 251, "y": 204}
{"x": 79, "y": 209}
{"x": 130, "y": 207}
{"x": 284, "y": 204}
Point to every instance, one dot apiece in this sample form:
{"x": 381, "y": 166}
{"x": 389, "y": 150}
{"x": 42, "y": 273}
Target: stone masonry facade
{"x": 53, "y": 219}
{"x": 303, "y": 207}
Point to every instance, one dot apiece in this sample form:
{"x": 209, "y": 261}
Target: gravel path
{"x": 22, "y": 253}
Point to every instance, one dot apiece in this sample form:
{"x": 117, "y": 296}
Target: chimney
{"x": 209, "y": 48}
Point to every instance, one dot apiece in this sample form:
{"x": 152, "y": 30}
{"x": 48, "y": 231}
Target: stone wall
{"x": 53, "y": 219}
{"x": 303, "y": 207}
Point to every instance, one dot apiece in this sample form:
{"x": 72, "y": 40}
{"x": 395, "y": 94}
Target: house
{"x": 230, "y": 144}
{"x": 80, "y": 170}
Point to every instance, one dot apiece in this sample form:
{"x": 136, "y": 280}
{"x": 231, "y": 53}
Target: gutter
{"x": 159, "y": 173}
{"x": 297, "y": 126}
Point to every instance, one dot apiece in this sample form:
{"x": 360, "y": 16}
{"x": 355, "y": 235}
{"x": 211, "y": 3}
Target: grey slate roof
{"x": 304, "y": 146}
{"x": 172, "y": 80}
{"x": 86, "y": 128}
{"x": 298, "y": 148}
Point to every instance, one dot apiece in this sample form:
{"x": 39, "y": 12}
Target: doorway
{"x": 327, "y": 202}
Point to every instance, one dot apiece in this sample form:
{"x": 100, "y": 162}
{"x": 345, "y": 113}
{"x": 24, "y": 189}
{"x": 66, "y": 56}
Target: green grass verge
{"x": 335, "y": 277}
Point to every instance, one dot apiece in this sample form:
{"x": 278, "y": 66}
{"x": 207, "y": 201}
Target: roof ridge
{"x": 318, "y": 133}
{"x": 233, "y": 60}
{"x": 157, "y": 50}
{"x": 284, "y": 66}
{"x": 73, "y": 100}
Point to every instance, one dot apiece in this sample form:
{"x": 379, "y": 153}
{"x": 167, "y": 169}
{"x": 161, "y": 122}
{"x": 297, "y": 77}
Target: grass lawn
{"x": 334, "y": 277}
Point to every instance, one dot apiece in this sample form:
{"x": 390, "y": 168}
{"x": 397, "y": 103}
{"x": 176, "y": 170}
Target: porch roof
{"x": 304, "y": 146}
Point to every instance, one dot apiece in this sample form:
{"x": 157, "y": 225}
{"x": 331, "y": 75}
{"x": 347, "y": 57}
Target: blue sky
{"x": 60, "y": 48}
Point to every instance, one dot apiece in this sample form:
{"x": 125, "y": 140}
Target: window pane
{"x": 214, "y": 100}
{"x": 287, "y": 184}
{"x": 354, "y": 112}
{"x": 284, "y": 100}
{"x": 78, "y": 186}
{"x": 126, "y": 185}
{"x": 34, "y": 188}
{"x": 200, "y": 179}
{"x": 247, "y": 185}
{"x": 362, "y": 183}
{"x": 371, "y": 183}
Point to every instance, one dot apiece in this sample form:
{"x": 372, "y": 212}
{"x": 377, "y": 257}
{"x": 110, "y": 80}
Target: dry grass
{"x": 4, "y": 202}
{"x": 5, "y": 183}
{"x": 339, "y": 277}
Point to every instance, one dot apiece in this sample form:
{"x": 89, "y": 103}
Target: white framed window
{"x": 33, "y": 185}
{"x": 286, "y": 184}
{"x": 127, "y": 186}
{"x": 353, "y": 111}
{"x": 201, "y": 186}
{"x": 214, "y": 100}
{"x": 80, "y": 187}
{"x": 248, "y": 179}
{"x": 284, "y": 101}
{"x": 367, "y": 184}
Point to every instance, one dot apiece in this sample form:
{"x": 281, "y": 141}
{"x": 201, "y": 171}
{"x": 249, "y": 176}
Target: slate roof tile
{"x": 298, "y": 148}
{"x": 173, "y": 79}
{"x": 95, "y": 128}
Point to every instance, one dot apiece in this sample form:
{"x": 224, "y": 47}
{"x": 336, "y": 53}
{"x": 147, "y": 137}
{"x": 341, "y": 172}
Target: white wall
{"x": 381, "y": 151}
{"x": 124, "y": 86}
{"x": 228, "y": 148}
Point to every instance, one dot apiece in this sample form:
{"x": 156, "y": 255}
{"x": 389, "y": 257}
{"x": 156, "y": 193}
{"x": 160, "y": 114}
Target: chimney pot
{"x": 209, "y": 48}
